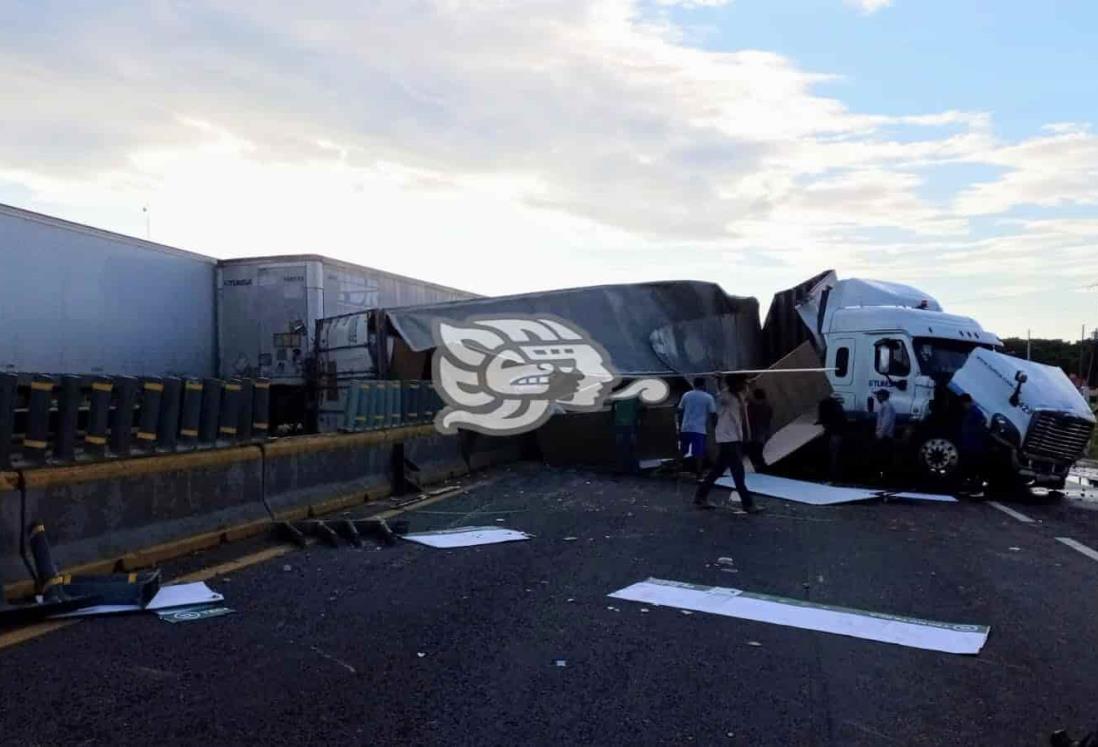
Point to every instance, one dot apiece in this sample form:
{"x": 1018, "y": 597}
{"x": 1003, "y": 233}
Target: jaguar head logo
{"x": 509, "y": 375}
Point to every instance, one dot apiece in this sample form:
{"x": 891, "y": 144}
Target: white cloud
{"x": 506, "y": 147}
{"x": 695, "y": 3}
{"x": 868, "y": 6}
{"x": 1060, "y": 168}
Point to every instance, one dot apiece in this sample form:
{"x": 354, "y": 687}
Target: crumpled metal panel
{"x": 657, "y": 329}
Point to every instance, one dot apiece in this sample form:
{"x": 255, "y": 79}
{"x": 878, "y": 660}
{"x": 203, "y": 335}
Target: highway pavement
{"x": 518, "y": 643}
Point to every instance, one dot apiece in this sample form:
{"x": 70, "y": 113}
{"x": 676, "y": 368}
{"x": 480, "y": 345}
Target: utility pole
{"x": 1082, "y": 347}
{"x": 148, "y": 222}
{"x": 1029, "y": 342}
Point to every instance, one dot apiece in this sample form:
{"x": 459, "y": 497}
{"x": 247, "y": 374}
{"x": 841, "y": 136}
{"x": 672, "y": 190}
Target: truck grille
{"x": 1053, "y": 435}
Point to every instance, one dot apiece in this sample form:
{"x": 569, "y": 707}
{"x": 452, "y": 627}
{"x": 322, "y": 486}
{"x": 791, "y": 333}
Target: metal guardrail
{"x": 65, "y": 419}
{"x": 374, "y": 404}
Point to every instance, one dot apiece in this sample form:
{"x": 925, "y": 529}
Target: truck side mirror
{"x": 1020, "y": 378}
{"x": 884, "y": 358}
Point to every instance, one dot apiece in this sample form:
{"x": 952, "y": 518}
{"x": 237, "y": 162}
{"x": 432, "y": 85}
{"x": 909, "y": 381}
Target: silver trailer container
{"x": 268, "y": 308}
{"x": 76, "y": 299}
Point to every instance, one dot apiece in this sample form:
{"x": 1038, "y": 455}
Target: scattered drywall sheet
{"x": 190, "y": 614}
{"x": 812, "y": 493}
{"x": 175, "y": 595}
{"x": 180, "y": 595}
{"x": 792, "y": 437}
{"x": 466, "y": 537}
{"x": 923, "y": 497}
{"x": 953, "y": 638}
{"x": 652, "y": 463}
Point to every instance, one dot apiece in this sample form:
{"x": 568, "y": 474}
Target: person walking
{"x": 626, "y": 415}
{"x": 884, "y": 434}
{"x": 695, "y": 410}
{"x": 732, "y": 432}
{"x": 760, "y": 415}
{"x": 832, "y": 417}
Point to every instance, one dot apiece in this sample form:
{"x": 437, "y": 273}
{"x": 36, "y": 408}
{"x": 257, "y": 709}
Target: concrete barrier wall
{"x": 110, "y": 509}
{"x": 133, "y": 512}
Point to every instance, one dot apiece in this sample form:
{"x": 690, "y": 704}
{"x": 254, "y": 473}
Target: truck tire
{"x": 938, "y": 458}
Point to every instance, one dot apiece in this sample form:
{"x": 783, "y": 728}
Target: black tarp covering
{"x": 783, "y": 330}
{"x": 695, "y": 327}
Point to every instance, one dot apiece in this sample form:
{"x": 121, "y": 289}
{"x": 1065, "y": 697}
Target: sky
{"x": 504, "y": 146}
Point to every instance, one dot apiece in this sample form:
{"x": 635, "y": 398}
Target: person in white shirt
{"x": 696, "y": 408}
{"x": 733, "y": 430}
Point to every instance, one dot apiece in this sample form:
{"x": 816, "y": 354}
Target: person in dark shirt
{"x": 760, "y": 416}
{"x": 832, "y": 417}
{"x": 626, "y": 417}
{"x": 973, "y": 442}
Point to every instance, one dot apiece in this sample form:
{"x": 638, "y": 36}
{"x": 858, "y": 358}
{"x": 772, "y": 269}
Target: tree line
{"x": 1076, "y": 357}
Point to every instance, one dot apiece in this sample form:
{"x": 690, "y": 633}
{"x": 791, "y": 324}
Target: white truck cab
{"x": 874, "y": 335}
{"x": 909, "y": 352}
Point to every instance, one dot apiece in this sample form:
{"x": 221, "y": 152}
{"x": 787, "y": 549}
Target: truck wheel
{"x": 939, "y": 458}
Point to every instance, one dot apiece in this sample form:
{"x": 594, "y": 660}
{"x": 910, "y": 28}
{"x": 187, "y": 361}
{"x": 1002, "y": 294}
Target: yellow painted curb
{"x": 334, "y": 441}
{"x": 142, "y": 466}
{"x": 338, "y": 504}
{"x": 159, "y": 553}
{"x": 138, "y": 467}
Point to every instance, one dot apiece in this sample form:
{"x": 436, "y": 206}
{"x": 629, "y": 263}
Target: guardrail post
{"x": 230, "y": 410}
{"x": 261, "y": 408}
{"x": 247, "y": 405}
{"x": 69, "y": 399}
{"x": 167, "y": 428}
{"x": 125, "y": 398}
{"x": 8, "y": 383}
{"x": 211, "y": 409}
{"x": 362, "y": 412}
{"x": 191, "y": 414}
{"x": 415, "y": 405}
{"x": 394, "y": 404}
{"x": 36, "y": 439}
{"x": 99, "y": 414}
{"x": 378, "y": 393}
{"x": 350, "y": 409}
{"x": 152, "y": 392}
{"x": 430, "y": 401}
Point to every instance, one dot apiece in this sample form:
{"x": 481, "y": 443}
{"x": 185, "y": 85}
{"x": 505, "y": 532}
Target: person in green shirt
{"x": 626, "y": 418}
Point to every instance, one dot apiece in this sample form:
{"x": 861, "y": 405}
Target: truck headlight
{"x": 1003, "y": 429}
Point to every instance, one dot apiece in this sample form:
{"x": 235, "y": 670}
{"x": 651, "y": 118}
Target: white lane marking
{"x": 1079, "y": 546}
{"x": 1010, "y": 512}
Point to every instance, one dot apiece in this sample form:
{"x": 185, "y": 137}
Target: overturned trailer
{"x": 861, "y": 336}
{"x": 668, "y": 330}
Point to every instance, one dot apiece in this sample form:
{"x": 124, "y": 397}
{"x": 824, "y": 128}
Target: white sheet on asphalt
{"x": 953, "y": 638}
{"x": 812, "y": 493}
{"x": 174, "y": 595}
{"x": 466, "y": 537}
{"x": 924, "y": 497}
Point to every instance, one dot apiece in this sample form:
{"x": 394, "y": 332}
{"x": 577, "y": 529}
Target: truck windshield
{"x": 940, "y": 359}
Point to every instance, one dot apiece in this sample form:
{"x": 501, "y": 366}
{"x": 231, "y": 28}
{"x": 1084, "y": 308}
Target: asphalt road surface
{"x": 519, "y": 644}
